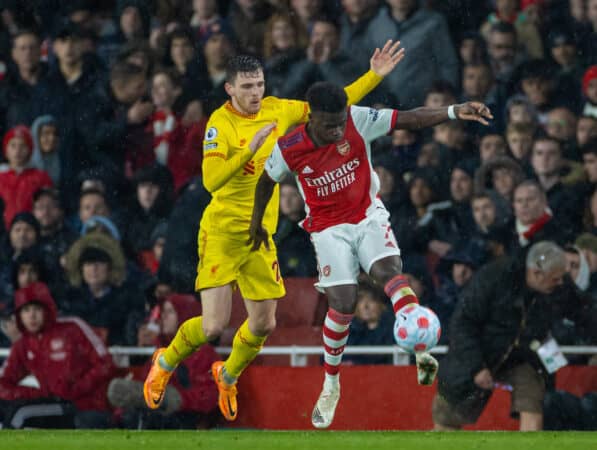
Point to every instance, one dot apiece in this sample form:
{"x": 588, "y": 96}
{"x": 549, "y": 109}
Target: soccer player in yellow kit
{"x": 239, "y": 138}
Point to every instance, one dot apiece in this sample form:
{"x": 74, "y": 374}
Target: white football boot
{"x": 427, "y": 367}
{"x": 323, "y": 413}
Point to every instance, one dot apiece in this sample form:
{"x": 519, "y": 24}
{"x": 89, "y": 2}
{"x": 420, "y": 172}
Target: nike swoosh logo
{"x": 157, "y": 402}
{"x": 232, "y": 411}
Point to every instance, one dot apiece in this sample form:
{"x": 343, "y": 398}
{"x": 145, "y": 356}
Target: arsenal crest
{"x": 343, "y": 148}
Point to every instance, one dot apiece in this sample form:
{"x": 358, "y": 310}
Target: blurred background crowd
{"x": 103, "y": 106}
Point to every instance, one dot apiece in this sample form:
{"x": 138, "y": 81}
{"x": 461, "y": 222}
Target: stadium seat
{"x": 299, "y": 307}
{"x": 298, "y": 335}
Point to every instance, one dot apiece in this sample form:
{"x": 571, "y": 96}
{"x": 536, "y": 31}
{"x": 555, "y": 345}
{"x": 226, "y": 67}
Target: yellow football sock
{"x": 189, "y": 337}
{"x": 245, "y": 348}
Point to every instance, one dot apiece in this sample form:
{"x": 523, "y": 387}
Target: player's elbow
{"x": 211, "y": 184}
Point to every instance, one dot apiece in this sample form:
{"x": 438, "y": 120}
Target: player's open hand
{"x": 261, "y": 136}
{"x": 383, "y": 61}
{"x": 257, "y": 236}
{"x": 474, "y": 111}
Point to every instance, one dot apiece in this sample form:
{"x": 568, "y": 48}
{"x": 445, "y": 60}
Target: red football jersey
{"x": 337, "y": 181}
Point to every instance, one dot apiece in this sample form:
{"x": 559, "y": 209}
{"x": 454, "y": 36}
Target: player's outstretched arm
{"x": 418, "y": 118}
{"x": 382, "y": 62}
{"x": 263, "y": 194}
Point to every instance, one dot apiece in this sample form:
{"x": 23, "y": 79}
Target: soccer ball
{"x": 417, "y": 329}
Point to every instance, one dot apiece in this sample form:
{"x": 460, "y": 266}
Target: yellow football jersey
{"x": 231, "y": 171}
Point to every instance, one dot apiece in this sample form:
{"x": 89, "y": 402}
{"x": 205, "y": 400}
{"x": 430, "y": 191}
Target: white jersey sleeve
{"x": 276, "y": 166}
{"x": 372, "y": 123}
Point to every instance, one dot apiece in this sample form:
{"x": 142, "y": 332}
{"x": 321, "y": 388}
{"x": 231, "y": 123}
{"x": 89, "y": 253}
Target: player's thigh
{"x": 220, "y": 257}
{"x": 259, "y": 276}
{"x": 337, "y": 261}
{"x": 528, "y": 388}
{"x": 216, "y": 306}
{"x": 376, "y": 240}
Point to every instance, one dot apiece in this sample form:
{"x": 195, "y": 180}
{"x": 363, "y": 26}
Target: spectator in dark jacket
{"x": 283, "y": 47}
{"x": 548, "y": 163}
{"x": 447, "y": 223}
{"x": 508, "y": 308}
{"x": 151, "y": 205}
{"x": 68, "y": 360}
{"x": 431, "y": 52}
{"x": 191, "y": 397}
{"x": 55, "y": 236}
{"x": 295, "y": 250}
{"x": 533, "y": 220}
{"x": 372, "y": 325}
{"x": 100, "y": 293}
{"x": 355, "y": 31}
{"x": 178, "y": 266}
{"x": 325, "y": 61}
{"x": 24, "y": 93}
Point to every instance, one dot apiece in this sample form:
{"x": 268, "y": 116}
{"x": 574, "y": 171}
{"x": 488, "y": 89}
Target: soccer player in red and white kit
{"x": 330, "y": 157}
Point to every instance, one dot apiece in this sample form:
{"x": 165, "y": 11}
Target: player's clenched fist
{"x": 261, "y": 136}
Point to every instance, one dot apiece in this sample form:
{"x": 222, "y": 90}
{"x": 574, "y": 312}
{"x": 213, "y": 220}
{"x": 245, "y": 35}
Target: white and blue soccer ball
{"x": 417, "y": 329}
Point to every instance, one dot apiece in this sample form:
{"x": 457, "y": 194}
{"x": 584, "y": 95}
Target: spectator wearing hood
{"x": 99, "y": 290}
{"x": 18, "y": 184}
{"x": 191, "y": 397}
{"x": 68, "y": 360}
{"x": 45, "y": 155}
{"x": 491, "y": 225}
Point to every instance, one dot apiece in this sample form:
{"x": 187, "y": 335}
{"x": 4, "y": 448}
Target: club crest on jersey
{"x": 343, "y": 148}
{"x": 211, "y": 134}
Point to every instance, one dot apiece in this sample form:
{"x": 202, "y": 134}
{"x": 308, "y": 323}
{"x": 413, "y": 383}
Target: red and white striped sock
{"x": 400, "y": 292}
{"x": 335, "y": 335}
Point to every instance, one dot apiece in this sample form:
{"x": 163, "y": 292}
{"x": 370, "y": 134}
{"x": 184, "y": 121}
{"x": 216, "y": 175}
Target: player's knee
{"x": 263, "y": 326}
{"x": 386, "y": 269}
{"x": 213, "y": 331}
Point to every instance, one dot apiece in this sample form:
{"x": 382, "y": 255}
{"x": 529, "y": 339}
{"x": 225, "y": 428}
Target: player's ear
{"x": 229, "y": 88}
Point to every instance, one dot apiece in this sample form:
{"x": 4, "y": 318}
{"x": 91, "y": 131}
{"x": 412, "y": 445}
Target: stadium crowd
{"x": 103, "y": 107}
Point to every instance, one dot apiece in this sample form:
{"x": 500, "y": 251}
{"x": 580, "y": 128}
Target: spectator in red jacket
{"x": 175, "y": 136}
{"x": 191, "y": 398}
{"x": 68, "y": 360}
{"x": 20, "y": 182}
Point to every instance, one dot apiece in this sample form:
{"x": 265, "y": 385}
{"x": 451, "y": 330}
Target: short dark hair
{"x": 327, "y": 97}
{"x": 124, "y": 71}
{"x": 441, "y": 87}
{"x": 47, "y": 192}
{"x": 589, "y": 147}
{"x": 93, "y": 191}
{"x": 534, "y": 184}
{"x": 541, "y": 136}
{"x": 172, "y": 74}
{"x": 241, "y": 64}
{"x": 24, "y": 32}
{"x": 503, "y": 27}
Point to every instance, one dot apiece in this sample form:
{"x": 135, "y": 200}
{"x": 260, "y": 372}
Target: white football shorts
{"x": 342, "y": 248}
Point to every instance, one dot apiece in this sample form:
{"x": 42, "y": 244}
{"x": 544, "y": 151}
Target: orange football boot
{"x": 227, "y": 392}
{"x": 156, "y": 381}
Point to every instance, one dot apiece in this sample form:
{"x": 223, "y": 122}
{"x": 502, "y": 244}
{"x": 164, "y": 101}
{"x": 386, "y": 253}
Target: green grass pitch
{"x": 286, "y": 440}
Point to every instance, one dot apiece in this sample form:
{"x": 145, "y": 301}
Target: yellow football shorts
{"x": 225, "y": 258}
